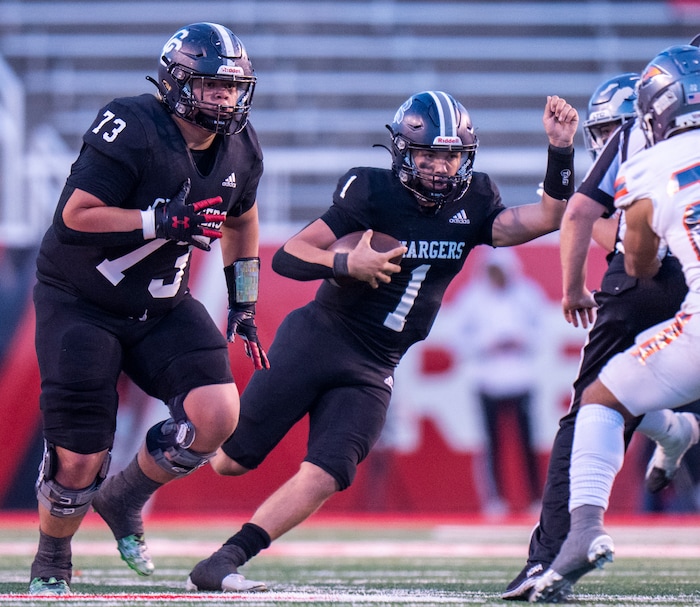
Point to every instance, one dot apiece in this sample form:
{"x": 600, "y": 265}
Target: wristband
{"x": 148, "y": 221}
{"x": 242, "y": 278}
{"x": 340, "y": 266}
{"x": 559, "y": 178}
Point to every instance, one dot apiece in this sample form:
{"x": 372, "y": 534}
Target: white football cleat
{"x": 233, "y": 582}
{"x": 666, "y": 460}
{"x": 577, "y": 557}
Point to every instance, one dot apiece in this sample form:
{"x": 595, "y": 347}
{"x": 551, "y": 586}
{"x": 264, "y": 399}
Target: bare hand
{"x": 560, "y": 121}
{"x": 580, "y": 308}
{"x": 368, "y": 265}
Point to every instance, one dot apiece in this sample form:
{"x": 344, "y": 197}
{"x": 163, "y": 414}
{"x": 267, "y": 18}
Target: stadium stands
{"x": 332, "y": 73}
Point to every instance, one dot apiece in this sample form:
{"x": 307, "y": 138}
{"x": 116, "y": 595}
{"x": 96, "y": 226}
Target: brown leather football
{"x": 380, "y": 242}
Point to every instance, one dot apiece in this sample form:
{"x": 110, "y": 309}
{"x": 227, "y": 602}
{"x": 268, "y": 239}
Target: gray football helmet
{"x": 437, "y": 121}
{"x": 610, "y": 106}
{"x": 668, "y": 93}
{"x": 206, "y": 52}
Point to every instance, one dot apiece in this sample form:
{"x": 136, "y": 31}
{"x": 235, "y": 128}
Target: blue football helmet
{"x": 610, "y": 106}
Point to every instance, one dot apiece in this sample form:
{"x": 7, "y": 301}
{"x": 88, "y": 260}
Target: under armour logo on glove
{"x": 185, "y": 223}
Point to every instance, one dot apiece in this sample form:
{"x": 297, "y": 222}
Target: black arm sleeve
{"x": 292, "y": 267}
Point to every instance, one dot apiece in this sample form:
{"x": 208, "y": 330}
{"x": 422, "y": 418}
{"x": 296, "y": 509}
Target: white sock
{"x": 596, "y": 456}
{"x": 656, "y": 424}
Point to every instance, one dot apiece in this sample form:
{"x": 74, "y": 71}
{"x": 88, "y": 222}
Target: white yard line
{"x": 361, "y": 549}
{"x": 256, "y": 598}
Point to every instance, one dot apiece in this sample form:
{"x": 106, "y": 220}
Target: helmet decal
{"x": 651, "y": 71}
{"x": 231, "y": 70}
{"x": 398, "y": 117}
{"x": 665, "y": 101}
{"x": 174, "y": 44}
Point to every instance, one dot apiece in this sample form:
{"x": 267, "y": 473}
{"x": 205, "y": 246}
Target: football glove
{"x": 184, "y": 222}
{"x": 242, "y": 278}
{"x": 241, "y": 321}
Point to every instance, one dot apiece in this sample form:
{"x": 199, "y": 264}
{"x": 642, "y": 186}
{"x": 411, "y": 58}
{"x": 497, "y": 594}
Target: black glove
{"x": 241, "y": 321}
{"x": 181, "y": 221}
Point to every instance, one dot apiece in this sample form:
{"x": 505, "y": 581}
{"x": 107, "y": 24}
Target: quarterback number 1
{"x": 397, "y": 319}
{"x": 119, "y": 126}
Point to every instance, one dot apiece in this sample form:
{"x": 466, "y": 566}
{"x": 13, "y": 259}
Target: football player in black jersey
{"x": 624, "y": 307}
{"x": 334, "y": 359}
{"x": 112, "y": 293}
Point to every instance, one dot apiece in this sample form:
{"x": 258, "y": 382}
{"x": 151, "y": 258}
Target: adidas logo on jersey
{"x": 460, "y": 217}
{"x": 230, "y": 181}
{"x": 389, "y": 381}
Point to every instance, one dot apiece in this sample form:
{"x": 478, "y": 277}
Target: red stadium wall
{"x": 432, "y": 477}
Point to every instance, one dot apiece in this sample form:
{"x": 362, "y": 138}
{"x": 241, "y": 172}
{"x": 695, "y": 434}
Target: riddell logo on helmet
{"x": 443, "y": 140}
{"x": 234, "y": 70}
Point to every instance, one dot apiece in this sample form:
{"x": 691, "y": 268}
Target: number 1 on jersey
{"x": 397, "y": 319}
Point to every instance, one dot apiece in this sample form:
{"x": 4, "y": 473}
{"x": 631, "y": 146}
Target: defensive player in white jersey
{"x": 622, "y": 307}
{"x": 659, "y": 190}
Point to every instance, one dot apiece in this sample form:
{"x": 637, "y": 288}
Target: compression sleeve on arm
{"x": 292, "y": 267}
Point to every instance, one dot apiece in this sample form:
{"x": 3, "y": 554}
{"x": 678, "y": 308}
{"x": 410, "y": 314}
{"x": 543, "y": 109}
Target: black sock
{"x": 251, "y": 539}
{"x": 53, "y": 558}
{"x": 122, "y": 497}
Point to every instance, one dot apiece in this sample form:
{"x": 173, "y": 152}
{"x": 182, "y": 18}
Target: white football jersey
{"x": 668, "y": 173}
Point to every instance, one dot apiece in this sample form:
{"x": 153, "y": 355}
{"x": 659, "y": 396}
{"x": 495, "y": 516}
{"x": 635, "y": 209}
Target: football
{"x": 380, "y": 242}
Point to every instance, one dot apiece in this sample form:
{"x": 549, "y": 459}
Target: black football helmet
{"x": 668, "y": 93}
{"x": 206, "y": 51}
{"x": 612, "y": 104}
{"x": 437, "y": 121}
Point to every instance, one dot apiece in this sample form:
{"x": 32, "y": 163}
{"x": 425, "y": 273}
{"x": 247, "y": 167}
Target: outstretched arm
{"x": 522, "y": 223}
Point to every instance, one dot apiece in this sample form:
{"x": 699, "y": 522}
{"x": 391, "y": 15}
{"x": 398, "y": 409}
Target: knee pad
{"x": 169, "y": 441}
{"x": 58, "y": 500}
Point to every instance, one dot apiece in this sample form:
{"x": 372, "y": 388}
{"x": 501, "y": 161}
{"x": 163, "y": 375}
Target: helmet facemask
{"x": 597, "y": 135}
{"x": 218, "y": 118}
{"x": 432, "y": 190}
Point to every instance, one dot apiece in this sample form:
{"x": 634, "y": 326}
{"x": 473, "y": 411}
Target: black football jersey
{"x": 394, "y": 316}
{"x": 134, "y": 157}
